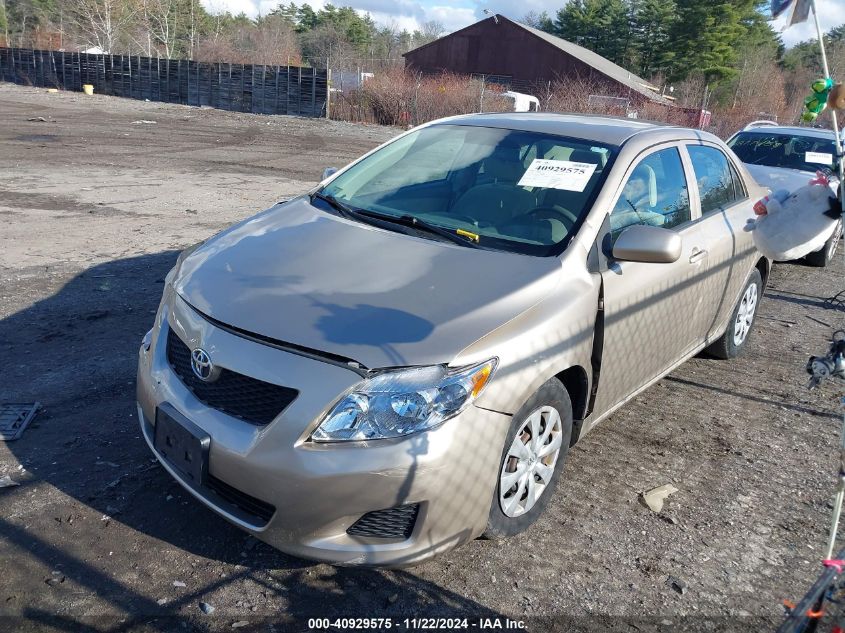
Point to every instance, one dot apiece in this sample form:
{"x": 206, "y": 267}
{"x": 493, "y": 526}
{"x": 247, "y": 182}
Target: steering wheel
{"x": 552, "y": 213}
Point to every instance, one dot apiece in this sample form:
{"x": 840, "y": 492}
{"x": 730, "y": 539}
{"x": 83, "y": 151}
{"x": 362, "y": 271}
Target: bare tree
{"x": 754, "y": 95}
{"x": 327, "y": 44}
{"x": 162, "y": 24}
{"x": 270, "y": 41}
{"x": 533, "y": 19}
{"x": 432, "y": 29}
{"x": 273, "y": 42}
{"x": 103, "y": 23}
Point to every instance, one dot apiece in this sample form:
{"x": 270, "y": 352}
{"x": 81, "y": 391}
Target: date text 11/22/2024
{"x": 415, "y": 624}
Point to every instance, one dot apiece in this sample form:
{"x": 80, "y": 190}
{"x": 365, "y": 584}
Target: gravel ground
{"x": 95, "y": 204}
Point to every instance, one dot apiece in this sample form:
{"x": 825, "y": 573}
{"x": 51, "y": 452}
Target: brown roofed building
{"x": 520, "y": 57}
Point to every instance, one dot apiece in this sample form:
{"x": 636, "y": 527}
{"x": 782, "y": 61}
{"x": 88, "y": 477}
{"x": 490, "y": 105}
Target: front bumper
{"x": 318, "y": 491}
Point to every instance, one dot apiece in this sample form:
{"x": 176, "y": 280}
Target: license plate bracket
{"x": 183, "y": 444}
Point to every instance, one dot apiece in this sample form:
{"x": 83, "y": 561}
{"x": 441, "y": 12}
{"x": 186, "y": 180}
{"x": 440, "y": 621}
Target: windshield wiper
{"x": 380, "y": 219}
{"x": 337, "y": 205}
{"x": 414, "y": 222}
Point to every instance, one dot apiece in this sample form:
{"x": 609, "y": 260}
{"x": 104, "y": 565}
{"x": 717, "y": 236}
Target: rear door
{"x": 654, "y": 313}
{"x": 725, "y": 208}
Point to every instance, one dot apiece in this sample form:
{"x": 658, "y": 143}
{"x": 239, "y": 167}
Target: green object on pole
{"x": 826, "y": 69}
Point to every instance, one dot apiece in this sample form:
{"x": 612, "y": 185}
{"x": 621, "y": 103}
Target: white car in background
{"x": 786, "y": 157}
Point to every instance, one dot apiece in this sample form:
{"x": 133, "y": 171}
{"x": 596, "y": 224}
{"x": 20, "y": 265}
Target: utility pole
{"x": 835, "y": 122}
{"x": 840, "y": 492}
{"x": 328, "y": 89}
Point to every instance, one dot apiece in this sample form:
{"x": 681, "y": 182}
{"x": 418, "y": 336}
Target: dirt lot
{"x": 94, "y": 205}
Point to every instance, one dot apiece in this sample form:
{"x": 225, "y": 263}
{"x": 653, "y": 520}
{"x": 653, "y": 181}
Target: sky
{"x": 456, "y": 14}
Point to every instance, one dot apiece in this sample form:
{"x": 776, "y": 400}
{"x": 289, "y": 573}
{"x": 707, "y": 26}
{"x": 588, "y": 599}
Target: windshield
{"x": 793, "y": 151}
{"x": 511, "y": 190}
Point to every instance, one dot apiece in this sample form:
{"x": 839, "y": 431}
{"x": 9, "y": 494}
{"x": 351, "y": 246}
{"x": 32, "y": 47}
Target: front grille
{"x": 241, "y": 500}
{"x": 396, "y": 522}
{"x": 249, "y": 399}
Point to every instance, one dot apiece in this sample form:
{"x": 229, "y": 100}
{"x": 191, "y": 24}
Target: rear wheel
{"x": 823, "y": 257}
{"x": 733, "y": 341}
{"x": 533, "y": 457}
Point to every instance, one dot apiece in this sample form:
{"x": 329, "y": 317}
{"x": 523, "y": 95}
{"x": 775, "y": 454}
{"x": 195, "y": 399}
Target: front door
{"x": 654, "y": 313}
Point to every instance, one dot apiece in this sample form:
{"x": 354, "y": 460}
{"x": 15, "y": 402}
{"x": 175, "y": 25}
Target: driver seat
{"x": 573, "y": 201}
{"x": 499, "y": 199}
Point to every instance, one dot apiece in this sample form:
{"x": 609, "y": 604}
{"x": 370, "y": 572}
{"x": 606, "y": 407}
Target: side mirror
{"x": 644, "y": 243}
{"x": 328, "y": 171}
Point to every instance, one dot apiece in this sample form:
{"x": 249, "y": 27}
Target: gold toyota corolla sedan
{"x": 399, "y": 361}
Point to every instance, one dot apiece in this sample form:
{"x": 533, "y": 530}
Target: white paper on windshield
{"x": 557, "y": 174}
{"x": 818, "y": 157}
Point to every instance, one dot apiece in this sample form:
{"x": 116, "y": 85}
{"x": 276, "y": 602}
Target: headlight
{"x": 405, "y": 401}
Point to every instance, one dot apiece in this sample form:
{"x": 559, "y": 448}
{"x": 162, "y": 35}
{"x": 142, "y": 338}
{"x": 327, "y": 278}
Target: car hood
{"x": 781, "y": 177}
{"x": 307, "y": 277}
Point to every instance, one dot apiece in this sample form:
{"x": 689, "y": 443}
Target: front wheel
{"x": 823, "y": 257}
{"x": 533, "y": 457}
{"x": 735, "y": 338}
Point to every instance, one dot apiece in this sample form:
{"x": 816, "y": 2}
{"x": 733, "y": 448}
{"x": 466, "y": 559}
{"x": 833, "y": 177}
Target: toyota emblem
{"x": 202, "y": 365}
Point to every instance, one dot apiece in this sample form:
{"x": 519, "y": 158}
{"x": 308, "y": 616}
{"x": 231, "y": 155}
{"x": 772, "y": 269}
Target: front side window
{"x": 654, "y": 194}
{"x": 520, "y": 191}
{"x": 716, "y": 186}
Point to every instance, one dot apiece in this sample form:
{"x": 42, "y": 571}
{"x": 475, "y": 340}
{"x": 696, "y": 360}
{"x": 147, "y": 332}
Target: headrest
{"x": 503, "y": 170}
{"x": 585, "y": 156}
{"x": 646, "y": 173}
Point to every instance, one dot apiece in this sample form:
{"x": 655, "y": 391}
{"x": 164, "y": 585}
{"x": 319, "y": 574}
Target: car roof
{"x": 813, "y": 132}
{"x": 606, "y": 130}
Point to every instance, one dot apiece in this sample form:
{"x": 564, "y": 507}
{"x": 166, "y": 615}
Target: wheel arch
{"x": 765, "y": 267}
{"x": 576, "y": 382}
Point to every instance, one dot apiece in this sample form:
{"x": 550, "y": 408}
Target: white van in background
{"x": 522, "y": 102}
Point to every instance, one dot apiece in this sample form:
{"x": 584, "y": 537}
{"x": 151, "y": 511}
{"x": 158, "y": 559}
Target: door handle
{"x": 697, "y": 255}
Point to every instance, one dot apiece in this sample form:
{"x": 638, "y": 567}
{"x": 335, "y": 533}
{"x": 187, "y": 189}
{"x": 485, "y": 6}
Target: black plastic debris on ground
{"x": 14, "y": 418}
{"x": 836, "y": 301}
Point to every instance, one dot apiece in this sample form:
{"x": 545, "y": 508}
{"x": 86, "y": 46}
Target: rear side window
{"x": 654, "y": 194}
{"x": 715, "y": 178}
{"x": 739, "y": 186}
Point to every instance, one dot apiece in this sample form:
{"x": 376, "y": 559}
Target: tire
{"x": 823, "y": 257}
{"x": 511, "y": 514}
{"x": 733, "y": 341}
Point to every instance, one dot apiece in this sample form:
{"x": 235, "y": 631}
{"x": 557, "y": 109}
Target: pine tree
{"x": 653, "y": 22}
{"x": 705, "y": 36}
{"x": 289, "y": 13}
{"x": 754, "y": 18}
{"x": 599, "y": 25}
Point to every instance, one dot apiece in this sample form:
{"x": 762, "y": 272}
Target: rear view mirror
{"x": 644, "y": 243}
{"x": 328, "y": 171}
